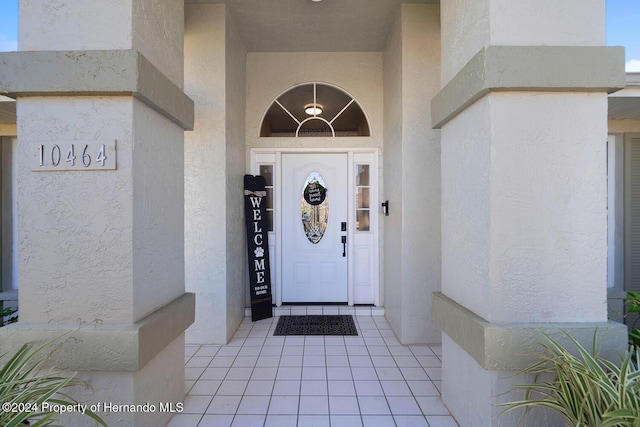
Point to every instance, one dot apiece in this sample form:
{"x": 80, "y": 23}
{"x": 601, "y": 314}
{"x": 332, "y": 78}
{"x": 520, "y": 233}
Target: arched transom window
{"x": 314, "y": 109}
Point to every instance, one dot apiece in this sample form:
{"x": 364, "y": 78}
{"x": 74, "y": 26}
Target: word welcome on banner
{"x": 255, "y": 201}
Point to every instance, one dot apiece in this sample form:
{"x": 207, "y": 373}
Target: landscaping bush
{"x": 25, "y": 384}
{"x": 586, "y": 389}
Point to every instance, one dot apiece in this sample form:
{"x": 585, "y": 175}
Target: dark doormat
{"x": 342, "y": 324}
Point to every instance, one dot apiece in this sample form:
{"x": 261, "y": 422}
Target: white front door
{"x": 314, "y": 248}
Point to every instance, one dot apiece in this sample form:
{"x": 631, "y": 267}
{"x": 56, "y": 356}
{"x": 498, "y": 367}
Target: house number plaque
{"x": 75, "y": 155}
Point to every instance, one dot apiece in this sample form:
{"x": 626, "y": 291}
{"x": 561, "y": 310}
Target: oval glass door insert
{"x": 314, "y": 208}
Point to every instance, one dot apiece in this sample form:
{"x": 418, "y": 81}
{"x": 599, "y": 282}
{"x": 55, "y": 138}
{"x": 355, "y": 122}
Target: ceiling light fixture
{"x": 313, "y": 109}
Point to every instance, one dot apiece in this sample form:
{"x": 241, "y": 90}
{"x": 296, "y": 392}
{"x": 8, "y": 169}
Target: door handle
{"x": 344, "y": 246}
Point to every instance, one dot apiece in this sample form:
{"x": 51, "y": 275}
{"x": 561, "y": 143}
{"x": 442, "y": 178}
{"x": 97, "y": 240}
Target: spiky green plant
{"x": 26, "y": 384}
{"x": 632, "y": 300}
{"x": 587, "y": 390}
{"x": 5, "y": 312}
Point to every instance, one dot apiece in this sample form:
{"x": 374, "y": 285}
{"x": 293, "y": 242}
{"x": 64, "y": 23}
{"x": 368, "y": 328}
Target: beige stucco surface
{"x": 523, "y": 199}
{"x": 527, "y": 232}
{"x": 512, "y": 346}
{"x": 89, "y": 225}
{"x": 235, "y": 84}
{"x": 66, "y": 228}
{"x": 477, "y": 405}
{"x": 465, "y": 30}
{"x": 392, "y": 236}
{"x": 554, "y": 187}
{"x": 214, "y": 169}
{"x": 205, "y": 260}
{"x": 469, "y": 26}
{"x": 104, "y": 247}
{"x": 148, "y": 385}
{"x": 94, "y": 73}
{"x": 518, "y": 68}
{"x": 412, "y": 165}
{"x": 152, "y": 27}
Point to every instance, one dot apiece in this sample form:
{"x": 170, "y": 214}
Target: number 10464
{"x": 76, "y": 155}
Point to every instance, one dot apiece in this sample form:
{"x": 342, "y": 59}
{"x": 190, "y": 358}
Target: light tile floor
{"x": 263, "y": 381}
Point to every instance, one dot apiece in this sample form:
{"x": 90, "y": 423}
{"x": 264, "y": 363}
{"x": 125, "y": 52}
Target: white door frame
{"x": 363, "y": 263}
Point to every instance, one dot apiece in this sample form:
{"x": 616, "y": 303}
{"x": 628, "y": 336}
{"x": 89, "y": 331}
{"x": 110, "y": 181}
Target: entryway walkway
{"x": 258, "y": 380}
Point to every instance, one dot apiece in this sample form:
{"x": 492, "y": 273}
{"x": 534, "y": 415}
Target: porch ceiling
{"x": 625, "y": 104}
{"x": 7, "y": 111}
{"x": 307, "y": 26}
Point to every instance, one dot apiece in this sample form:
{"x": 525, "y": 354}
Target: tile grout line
{"x": 368, "y": 342}
{"x": 225, "y": 376}
{"x": 404, "y": 378}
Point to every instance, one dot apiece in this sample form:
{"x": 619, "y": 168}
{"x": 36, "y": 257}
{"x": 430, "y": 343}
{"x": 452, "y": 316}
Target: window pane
{"x": 362, "y": 198}
{"x": 269, "y": 198}
{"x": 267, "y": 172}
{"x": 362, "y": 220}
{"x": 315, "y": 127}
{"x": 270, "y": 220}
{"x": 362, "y": 174}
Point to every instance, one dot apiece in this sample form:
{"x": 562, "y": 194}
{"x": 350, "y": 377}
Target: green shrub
{"x": 587, "y": 390}
{"x": 6, "y": 312}
{"x": 25, "y": 385}
{"x": 633, "y": 306}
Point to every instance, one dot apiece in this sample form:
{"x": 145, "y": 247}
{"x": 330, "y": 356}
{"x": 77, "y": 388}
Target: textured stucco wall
{"x": 75, "y": 25}
{"x": 392, "y": 162}
{"x": 235, "y": 57}
{"x": 421, "y": 171}
{"x": 104, "y": 246}
{"x": 465, "y": 30}
{"x": 412, "y": 162}
{"x": 158, "y": 200}
{"x": 470, "y": 25}
{"x": 523, "y": 193}
{"x": 153, "y": 27}
{"x": 205, "y": 175}
{"x": 548, "y": 208}
{"x": 215, "y": 166}
{"x": 127, "y": 388}
{"x": 158, "y": 28}
{"x": 69, "y": 227}
{"x": 489, "y": 387}
{"x": 465, "y": 219}
{"x": 76, "y": 236}
{"x": 525, "y": 214}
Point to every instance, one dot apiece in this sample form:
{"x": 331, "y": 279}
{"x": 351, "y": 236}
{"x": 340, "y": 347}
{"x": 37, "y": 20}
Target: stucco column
{"x": 523, "y": 113}
{"x": 101, "y": 116}
{"x": 411, "y": 173}
{"x": 215, "y": 251}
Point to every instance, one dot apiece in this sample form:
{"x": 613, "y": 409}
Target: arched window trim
{"x": 314, "y": 117}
